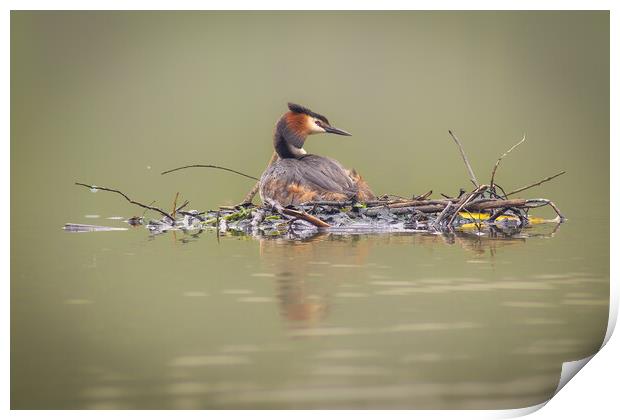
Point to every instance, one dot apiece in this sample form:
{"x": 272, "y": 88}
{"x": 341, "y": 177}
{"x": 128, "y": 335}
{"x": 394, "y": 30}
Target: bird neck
{"x": 287, "y": 142}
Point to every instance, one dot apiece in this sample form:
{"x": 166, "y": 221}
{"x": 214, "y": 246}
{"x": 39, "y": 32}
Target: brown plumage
{"x": 297, "y": 177}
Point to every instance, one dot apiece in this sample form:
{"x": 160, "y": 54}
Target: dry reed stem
{"x": 549, "y": 178}
{"x": 464, "y": 156}
{"x": 210, "y": 166}
{"x": 492, "y": 183}
{"x": 137, "y": 203}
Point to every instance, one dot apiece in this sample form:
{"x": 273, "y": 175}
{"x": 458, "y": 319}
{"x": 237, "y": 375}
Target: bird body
{"x": 297, "y": 177}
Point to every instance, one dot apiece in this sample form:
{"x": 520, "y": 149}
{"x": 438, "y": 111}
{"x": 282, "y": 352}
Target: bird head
{"x": 304, "y": 122}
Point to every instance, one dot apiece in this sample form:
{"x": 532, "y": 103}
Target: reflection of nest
{"x": 304, "y": 302}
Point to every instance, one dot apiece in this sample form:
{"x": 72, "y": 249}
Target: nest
{"x": 487, "y": 208}
{"x": 481, "y": 209}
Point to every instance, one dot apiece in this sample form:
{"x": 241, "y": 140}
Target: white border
{"x": 593, "y": 394}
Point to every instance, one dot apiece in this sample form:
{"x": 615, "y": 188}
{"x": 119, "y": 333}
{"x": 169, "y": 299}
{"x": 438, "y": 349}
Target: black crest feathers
{"x": 298, "y": 109}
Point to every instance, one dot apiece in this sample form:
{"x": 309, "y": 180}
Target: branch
{"x": 423, "y": 196}
{"x": 250, "y": 195}
{"x": 539, "y": 202}
{"x": 492, "y": 184}
{"x": 464, "y": 156}
{"x": 429, "y": 208}
{"x": 549, "y": 178}
{"x": 300, "y": 215}
{"x": 144, "y": 206}
{"x": 174, "y": 205}
{"x": 465, "y": 200}
{"x": 210, "y": 166}
{"x": 182, "y": 206}
{"x": 442, "y": 215}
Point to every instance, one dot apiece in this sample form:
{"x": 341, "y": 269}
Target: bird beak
{"x": 335, "y": 130}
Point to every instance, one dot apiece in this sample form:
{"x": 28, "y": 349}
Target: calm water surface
{"x": 127, "y": 320}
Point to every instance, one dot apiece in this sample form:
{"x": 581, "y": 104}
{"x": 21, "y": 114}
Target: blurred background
{"x": 129, "y": 320}
{"x": 115, "y": 98}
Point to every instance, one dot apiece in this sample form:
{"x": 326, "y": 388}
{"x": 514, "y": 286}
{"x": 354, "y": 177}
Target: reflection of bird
{"x": 297, "y": 177}
{"x": 305, "y": 276}
{"x": 306, "y": 272}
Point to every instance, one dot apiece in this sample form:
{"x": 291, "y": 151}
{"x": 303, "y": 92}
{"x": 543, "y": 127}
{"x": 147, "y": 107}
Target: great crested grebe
{"x": 298, "y": 177}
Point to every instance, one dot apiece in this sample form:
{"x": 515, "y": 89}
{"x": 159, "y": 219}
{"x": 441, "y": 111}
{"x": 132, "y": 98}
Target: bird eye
{"x": 317, "y": 122}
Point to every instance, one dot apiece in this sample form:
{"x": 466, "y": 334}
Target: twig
{"x": 495, "y": 204}
{"x": 217, "y": 226}
{"x": 423, "y": 196}
{"x": 210, "y": 166}
{"x": 492, "y": 184}
{"x": 464, "y": 201}
{"x": 464, "y": 156}
{"x": 137, "y": 203}
{"x": 145, "y": 210}
{"x": 395, "y": 197}
{"x": 549, "y": 178}
{"x": 557, "y": 210}
{"x": 431, "y": 208}
{"x": 494, "y": 191}
{"x": 174, "y": 205}
{"x": 300, "y": 215}
{"x": 442, "y": 215}
{"x": 182, "y": 206}
{"x": 328, "y": 203}
{"x": 496, "y": 214}
{"x": 250, "y": 195}
{"x": 539, "y": 202}
{"x": 305, "y": 216}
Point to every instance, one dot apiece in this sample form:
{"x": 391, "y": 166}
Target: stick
{"x": 495, "y": 204}
{"x": 549, "y": 178}
{"x": 210, "y": 166}
{"x": 382, "y": 204}
{"x": 300, "y": 215}
{"x": 431, "y": 208}
{"x": 441, "y": 216}
{"x": 464, "y": 201}
{"x": 557, "y": 210}
{"x": 144, "y": 206}
{"x": 182, "y": 206}
{"x": 250, "y": 195}
{"x": 307, "y": 217}
{"x": 539, "y": 202}
{"x": 492, "y": 184}
{"x": 464, "y": 156}
{"x": 423, "y": 196}
{"x": 174, "y": 205}
{"x": 328, "y": 203}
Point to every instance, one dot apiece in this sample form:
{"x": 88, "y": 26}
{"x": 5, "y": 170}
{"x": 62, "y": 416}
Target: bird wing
{"x": 317, "y": 172}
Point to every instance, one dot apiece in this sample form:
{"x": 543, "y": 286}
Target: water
{"x": 125, "y": 320}
{"x": 122, "y": 319}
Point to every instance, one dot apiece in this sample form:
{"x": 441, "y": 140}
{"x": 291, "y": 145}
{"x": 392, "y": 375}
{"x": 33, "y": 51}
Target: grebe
{"x": 298, "y": 177}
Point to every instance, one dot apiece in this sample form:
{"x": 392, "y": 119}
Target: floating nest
{"x": 487, "y": 208}
{"x": 481, "y": 210}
